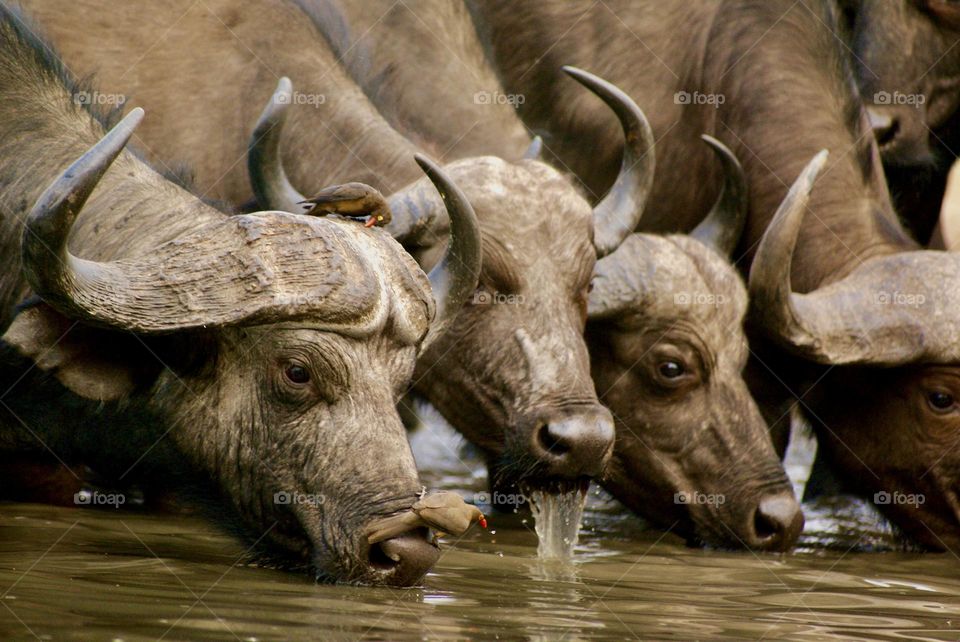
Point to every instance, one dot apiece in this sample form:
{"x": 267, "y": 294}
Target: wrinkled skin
{"x": 229, "y": 414}
{"x": 670, "y": 370}
{"x": 252, "y": 432}
{"x": 919, "y": 460}
{"x": 395, "y": 49}
{"x": 515, "y": 360}
{"x": 782, "y": 69}
{"x": 484, "y": 382}
{"x": 311, "y": 447}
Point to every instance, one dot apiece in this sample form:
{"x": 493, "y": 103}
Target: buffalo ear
{"x": 98, "y": 364}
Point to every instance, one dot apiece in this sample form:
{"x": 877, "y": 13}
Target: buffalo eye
{"x": 297, "y": 374}
{"x": 940, "y": 401}
{"x": 671, "y": 369}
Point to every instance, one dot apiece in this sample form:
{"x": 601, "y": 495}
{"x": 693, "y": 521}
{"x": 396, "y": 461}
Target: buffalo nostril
{"x": 763, "y": 526}
{"x": 777, "y": 522}
{"x": 556, "y": 444}
{"x": 405, "y": 558}
{"x": 886, "y": 126}
{"x": 576, "y": 445}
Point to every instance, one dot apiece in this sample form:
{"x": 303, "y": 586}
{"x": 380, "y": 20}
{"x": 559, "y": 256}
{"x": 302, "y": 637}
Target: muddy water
{"x": 88, "y": 574}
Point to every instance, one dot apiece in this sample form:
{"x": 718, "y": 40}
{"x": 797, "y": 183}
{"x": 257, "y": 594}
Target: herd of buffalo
{"x": 656, "y": 232}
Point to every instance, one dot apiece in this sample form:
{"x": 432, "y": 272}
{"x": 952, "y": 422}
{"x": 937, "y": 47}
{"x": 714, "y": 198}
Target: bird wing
{"x": 338, "y": 193}
{"x": 389, "y": 527}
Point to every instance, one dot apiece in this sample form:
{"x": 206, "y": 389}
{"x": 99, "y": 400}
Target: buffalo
{"x": 251, "y": 361}
{"x": 667, "y": 351}
{"x": 864, "y": 310}
{"x": 692, "y": 450}
{"x": 513, "y": 374}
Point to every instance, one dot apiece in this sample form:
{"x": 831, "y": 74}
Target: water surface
{"x": 103, "y": 574}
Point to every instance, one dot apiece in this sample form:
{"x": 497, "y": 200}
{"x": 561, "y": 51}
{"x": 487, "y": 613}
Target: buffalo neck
{"x": 424, "y": 67}
{"x": 766, "y": 77}
{"x": 791, "y": 95}
{"x": 346, "y": 140}
{"x": 206, "y": 81}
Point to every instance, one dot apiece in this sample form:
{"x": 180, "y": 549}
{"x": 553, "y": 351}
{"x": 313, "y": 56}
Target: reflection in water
{"x": 82, "y": 574}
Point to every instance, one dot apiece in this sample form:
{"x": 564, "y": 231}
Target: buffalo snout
{"x": 776, "y": 523}
{"x": 572, "y": 444}
{"x": 403, "y": 560}
{"x": 901, "y": 134}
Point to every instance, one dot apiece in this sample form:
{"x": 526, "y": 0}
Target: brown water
{"x": 101, "y": 574}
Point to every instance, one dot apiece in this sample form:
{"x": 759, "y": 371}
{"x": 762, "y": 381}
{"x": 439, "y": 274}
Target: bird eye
{"x": 297, "y": 374}
{"x": 670, "y": 369}
{"x": 940, "y": 401}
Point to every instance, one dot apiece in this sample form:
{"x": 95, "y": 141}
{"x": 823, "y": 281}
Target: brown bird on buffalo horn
{"x": 355, "y": 200}
{"x": 444, "y": 512}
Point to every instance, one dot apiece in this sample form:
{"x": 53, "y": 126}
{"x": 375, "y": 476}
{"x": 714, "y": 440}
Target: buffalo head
{"x": 285, "y": 342}
{"x": 885, "y": 411}
{"x": 667, "y": 347}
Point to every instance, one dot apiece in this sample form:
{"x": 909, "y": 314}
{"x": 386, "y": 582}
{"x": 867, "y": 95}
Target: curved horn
{"x": 534, "y": 150}
{"x": 454, "y": 278}
{"x": 892, "y": 309}
{"x": 722, "y": 227}
{"x": 271, "y": 187}
{"x": 228, "y": 270}
{"x": 51, "y": 270}
{"x": 618, "y": 214}
{"x": 413, "y": 213}
{"x": 771, "y": 293}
